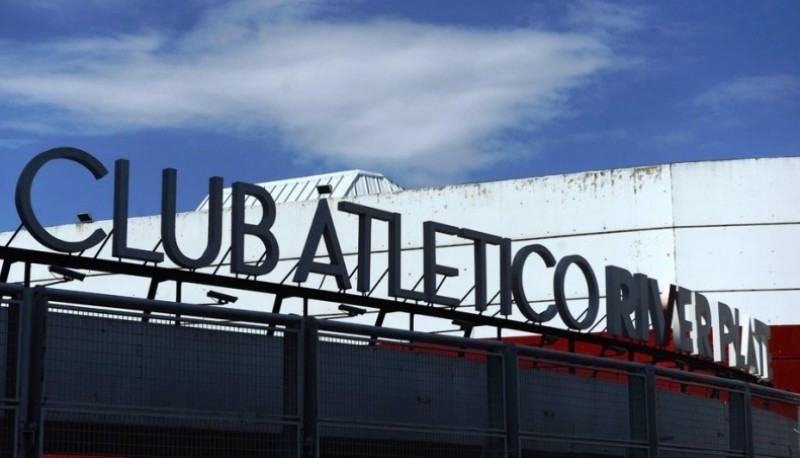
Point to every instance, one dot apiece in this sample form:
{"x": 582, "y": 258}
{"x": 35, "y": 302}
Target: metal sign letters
{"x": 633, "y": 304}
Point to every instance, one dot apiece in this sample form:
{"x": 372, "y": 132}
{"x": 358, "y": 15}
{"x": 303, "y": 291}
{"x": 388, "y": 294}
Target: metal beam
{"x": 385, "y": 305}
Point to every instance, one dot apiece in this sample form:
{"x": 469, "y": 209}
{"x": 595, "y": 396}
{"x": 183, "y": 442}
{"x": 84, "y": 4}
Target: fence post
{"x": 511, "y": 376}
{"x": 292, "y": 387}
{"x": 30, "y": 379}
{"x": 748, "y": 422}
{"x": 309, "y": 331}
{"x": 650, "y": 410}
{"x": 639, "y": 422}
{"x": 737, "y": 429}
{"x": 495, "y": 406}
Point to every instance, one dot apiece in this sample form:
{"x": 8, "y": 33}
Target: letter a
{"x": 322, "y": 227}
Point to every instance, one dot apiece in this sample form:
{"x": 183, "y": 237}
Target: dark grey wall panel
{"x": 119, "y": 362}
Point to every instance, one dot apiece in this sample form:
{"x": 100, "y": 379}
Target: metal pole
{"x": 511, "y": 388}
{"x": 310, "y": 368}
{"x": 650, "y": 410}
{"x": 30, "y": 381}
{"x": 748, "y": 423}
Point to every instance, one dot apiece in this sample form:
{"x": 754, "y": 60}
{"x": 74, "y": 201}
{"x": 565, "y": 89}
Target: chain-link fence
{"x": 100, "y": 376}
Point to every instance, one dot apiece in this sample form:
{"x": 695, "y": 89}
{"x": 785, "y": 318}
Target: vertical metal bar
{"x": 511, "y": 391}
{"x": 276, "y": 308}
{"x": 496, "y": 403}
{"x": 300, "y": 361}
{"x": 310, "y": 413}
{"x": 638, "y": 407}
{"x": 23, "y": 374}
{"x": 292, "y": 371}
{"x": 151, "y": 294}
{"x": 737, "y": 432}
{"x": 178, "y": 299}
{"x": 30, "y": 386}
{"x": 748, "y": 422}
{"x": 5, "y": 271}
{"x": 650, "y": 405}
{"x": 12, "y": 370}
{"x": 378, "y": 324}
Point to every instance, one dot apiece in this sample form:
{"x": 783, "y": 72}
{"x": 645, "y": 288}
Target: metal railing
{"x": 97, "y": 375}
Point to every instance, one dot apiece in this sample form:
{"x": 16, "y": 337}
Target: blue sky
{"x": 427, "y": 92}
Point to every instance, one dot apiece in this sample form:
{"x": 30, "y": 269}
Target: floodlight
{"x": 221, "y": 298}
{"x": 352, "y": 311}
{"x": 85, "y": 217}
{"x": 464, "y": 324}
{"x": 68, "y": 274}
{"x": 324, "y": 189}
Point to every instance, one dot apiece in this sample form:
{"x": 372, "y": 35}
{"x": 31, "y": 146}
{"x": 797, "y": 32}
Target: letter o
{"x": 561, "y": 300}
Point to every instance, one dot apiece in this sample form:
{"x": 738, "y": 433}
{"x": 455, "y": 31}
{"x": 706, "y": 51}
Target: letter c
{"x": 25, "y": 209}
{"x": 519, "y": 289}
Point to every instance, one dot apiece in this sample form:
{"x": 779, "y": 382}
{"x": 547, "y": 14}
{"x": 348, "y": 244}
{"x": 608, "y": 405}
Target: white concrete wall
{"x": 726, "y": 228}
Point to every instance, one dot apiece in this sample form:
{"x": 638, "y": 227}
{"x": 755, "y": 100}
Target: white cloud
{"x": 393, "y": 95}
{"x": 14, "y": 143}
{"x": 745, "y": 90}
{"x": 605, "y": 17}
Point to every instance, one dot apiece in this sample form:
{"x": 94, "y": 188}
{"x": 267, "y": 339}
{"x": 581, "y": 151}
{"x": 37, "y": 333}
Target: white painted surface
{"x": 729, "y": 228}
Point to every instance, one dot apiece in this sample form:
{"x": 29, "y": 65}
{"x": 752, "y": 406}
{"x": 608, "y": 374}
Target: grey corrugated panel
{"x": 279, "y": 195}
{"x": 303, "y": 186}
{"x": 227, "y": 194}
{"x": 338, "y": 183}
{"x": 344, "y": 184}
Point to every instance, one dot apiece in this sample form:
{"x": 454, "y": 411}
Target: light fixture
{"x": 324, "y": 189}
{"x": 68, "y": 274}
{"x": 221, "y": 298}
{"x": 352, "y": 311}
{"x": 464, "y": 324}
{"x": 85, "y": 217}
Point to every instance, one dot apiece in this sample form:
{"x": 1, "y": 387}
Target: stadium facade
{"x": 631, "y": 312}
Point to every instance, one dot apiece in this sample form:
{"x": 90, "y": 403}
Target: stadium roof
{"x": 342, "y": 184}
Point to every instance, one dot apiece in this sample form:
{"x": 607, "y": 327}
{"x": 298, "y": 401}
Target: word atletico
{"x": 633, "y": 303}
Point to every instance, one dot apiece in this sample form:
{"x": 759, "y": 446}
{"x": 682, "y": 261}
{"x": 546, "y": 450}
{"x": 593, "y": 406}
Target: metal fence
{"x": 90, "y": 375}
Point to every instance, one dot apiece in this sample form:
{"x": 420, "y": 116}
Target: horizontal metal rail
{"x": 161, "y": 274}
{"x": 173, "y": 308}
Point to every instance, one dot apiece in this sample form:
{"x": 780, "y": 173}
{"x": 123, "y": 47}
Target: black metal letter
{"x": 395, "y": 263}
{"x": 480, "y": 240}
{"x": 25, "y": 209}
{"x": 119, "y": 246}
{"x": 702, "y": 319}
{"x": 365, "y": 217}
{"x": 261, "y": 230}
{"x": 762, "y": 335}
{"x": 727, "y": 335}
{"x": 518, "y": 287}
{"x": 561, "y": 300}
{"x": 650, "y": 292}
{"x": 168, "y": 209}
{"x": 322, "y": 227}
{"x": 681, "y": 326}
{"x": 430, "y": 268}
{"x": 622, "y": 299}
